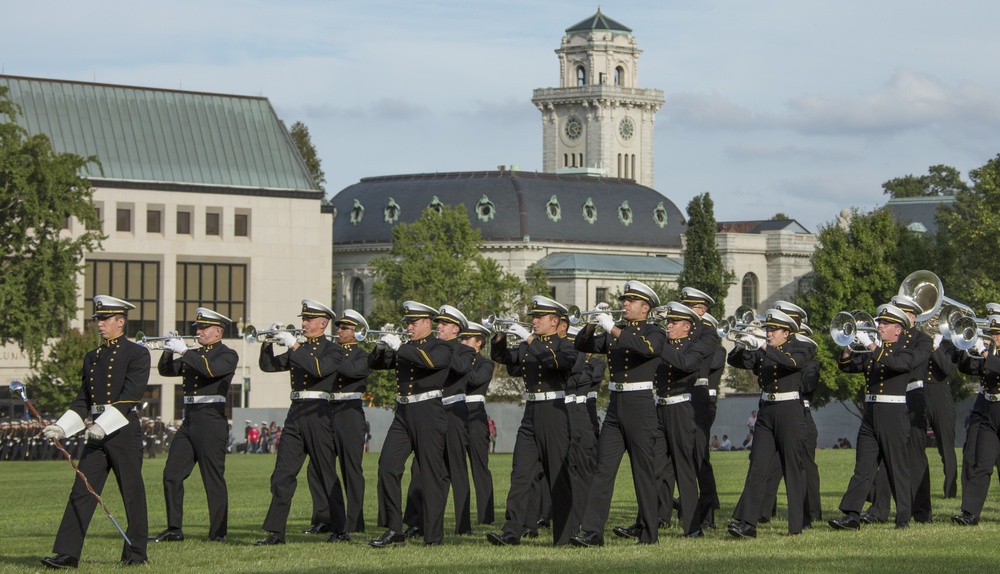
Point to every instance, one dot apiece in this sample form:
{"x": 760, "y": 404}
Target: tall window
{"x": 183, "y": 222}
{"x": 581, "y": 77}
{"x": 241, "y": 225}
{"x": 358, "y": 295}
{"x": 601, "y": 296}
{"x": 750, "y": 290}
{"x": 619, "y": 75}
{"x": 154, "y": 221}
{"x": 124, "y": 221}
{"x": 137, "y": 282}
{"x": 221, "y": 287}
{"x": 213, "y": 225}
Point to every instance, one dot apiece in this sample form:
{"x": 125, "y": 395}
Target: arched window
{"x": 581, "y": 77}
{"x": 751, "y": 288}
{"x": 358, "y": 295}
{"x": 619, "y": 76}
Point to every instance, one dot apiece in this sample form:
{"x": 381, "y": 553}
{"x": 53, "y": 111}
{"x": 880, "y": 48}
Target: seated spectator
{"x": 726, "y": 443}
{"x": 715, "y": 445}
{"x": 748, "y": 442}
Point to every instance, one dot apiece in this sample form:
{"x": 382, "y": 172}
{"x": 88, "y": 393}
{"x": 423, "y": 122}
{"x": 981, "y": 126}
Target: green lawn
{"x": 36, "y": 496}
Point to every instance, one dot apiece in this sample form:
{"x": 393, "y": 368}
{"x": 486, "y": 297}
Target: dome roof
{"x": 513, "y": 206}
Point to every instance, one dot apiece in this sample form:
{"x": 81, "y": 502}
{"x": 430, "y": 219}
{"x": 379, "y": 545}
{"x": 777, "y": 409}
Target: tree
{"x": 55, "y": 382}
{"x": 857, "y": 268}
{"x": 940, "y": 180}
{"x": 702, "y": 263}
{"x": 780, "y": 217}
{"x": 437, "y": 260}
{"x": 303, "y": 142}
{"x": 40, "y": 190}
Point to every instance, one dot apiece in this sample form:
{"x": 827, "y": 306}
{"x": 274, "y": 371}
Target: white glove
{"x": 750, "y": 343}
{"x": 175, "y": 346}
{"x": 519, "y": 331}
{"x": 864, "y": 338}
{"x": 602, "y": 306}
{"x": 937, "y": 340}
{"x": 54, "y": 432}
{"x": 94, "y": 432}
{"x": 285, "y": 339}
{"x": 979, "y": 347}
{"x": 380, "y": 344}
{"x": 391, "y": 341}
{"x": 606, "y": 322}
{"x": 276, "y": 326}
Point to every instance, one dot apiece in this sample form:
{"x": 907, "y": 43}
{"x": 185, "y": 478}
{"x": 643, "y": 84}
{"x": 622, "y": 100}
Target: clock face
{"x": 573, "y": 127}
{"x": 626, "y": 129}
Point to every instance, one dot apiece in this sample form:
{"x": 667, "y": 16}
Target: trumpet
{"x": 576, "y": 316}
{"x": 502, "y": 325}
{"x": 964, "y": 331}
{"x": 373, "y": 335}
{"x": 845, "y": 327}
{"x": 156, "y": 343}
{"x": 252, "y": 335}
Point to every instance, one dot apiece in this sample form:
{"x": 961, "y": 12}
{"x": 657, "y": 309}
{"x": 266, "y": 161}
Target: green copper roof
{"x": 153, "y": 135}
{"x": 599, "y": 22}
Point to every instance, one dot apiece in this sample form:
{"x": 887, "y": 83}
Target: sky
{"x": 791, "y": 106}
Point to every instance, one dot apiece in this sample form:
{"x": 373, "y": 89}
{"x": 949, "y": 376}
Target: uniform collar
{"x": 679, "y": 338}
{"x": 633, "y": 323}
{"x": 311, "y": 340}
{"x": 420, "y": 340}
{"x": 546, "y": 337}
{"x": 110, "y": 342}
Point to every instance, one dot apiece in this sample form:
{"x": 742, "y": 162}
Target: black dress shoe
{"x": 412, "y": 532}
{"x": 710, "y": 525}
{"x": 168, "y": 536}
{"x": 632, "y": 531}
{"x": 503, "y": 539}
{"x": 870, "y": 518}
{"x": 318, "y": 528}
{"x": 339, "y": 537}
{"x": 466, "y": 533}
{"x": 742, "y": 530}
{"x": 216, "y": 538}
{"x": 695, "y": 534}
{"x": 902, "y": 525}
{"x": 848, "y": 522}
{"x": 588, "y": 540}
{"x": 764, "y": 519}
{"x": 135, "y": 562}
{"x": 528, "y": 533}
{"x": 435, "y": 543}
{"x": 61, "y": 561}
{"x": 389, "y": 538}
{"x": 663, "y": 524}
{"x": 965, "y": 519}
{"x": 270, "y": 540}
{"x": 542, "y": 523}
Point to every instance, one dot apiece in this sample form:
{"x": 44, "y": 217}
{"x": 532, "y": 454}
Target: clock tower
{"x": 598, "y": 120}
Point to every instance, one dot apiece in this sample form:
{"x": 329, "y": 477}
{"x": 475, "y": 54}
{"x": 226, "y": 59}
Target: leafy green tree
{"x": 56, "y": 380}
{"x": 702, "y": 262}
{"x": 940, "y": 180}
{"x": 860, "y": 267}
{"x": 780, "y": 217}
{"x": 303, "y": 142}
{"x": 438, "y": 260}
{"x": 40, "y": 189}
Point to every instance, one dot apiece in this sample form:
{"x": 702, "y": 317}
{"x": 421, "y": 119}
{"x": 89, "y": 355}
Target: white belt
{"x": 592, "y": 395}
{"x": 620, "y": 387}
{"x": 475, "y": 398}
{"x": 98, "y": 409}
{"x": 459, "y": 398}
{"x": 198, "y": 400}
{"x": 346, "y": 396}
{"x": 581, "y": 399}
{"x": 914, "y": 385}
{"x": 885, "y": 399}
{"x": 407, "y": 399}
{"x": 990, "y": 397}
{"x": 535, "y": 397}
{"x": 779, "y": 397}
{"x": 713, "y": 392}
{"x": 299, "y": 395}
{"x": 674, "y": 399}
{"x": 805, "y": 403}
{"x": 701, "y": 383}
{"x": 570, "y": 399}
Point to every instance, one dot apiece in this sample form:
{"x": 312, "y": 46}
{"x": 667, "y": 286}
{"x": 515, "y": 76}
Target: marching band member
{"x": 478, "y": 383}
{"x": 207, "y": 372}
{"x": 778, "y": 362}
{"x": 546, "y": 362}
{"x": 884, "y": 434}
{"x": 114, "y": 379}
{"x": 419, "y": 425}
{"x": 975, "y": 418}
{"x": 308, "y": 429}
{"x": 349, "y": 429}
{"x": 633, "y": 350}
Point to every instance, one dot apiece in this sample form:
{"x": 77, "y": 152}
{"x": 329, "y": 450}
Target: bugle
{"x": 373, "y": 335}
{"x": 156, "y": 343}
{"x": 252, "y": 335}
{"x": 576, "y": 316}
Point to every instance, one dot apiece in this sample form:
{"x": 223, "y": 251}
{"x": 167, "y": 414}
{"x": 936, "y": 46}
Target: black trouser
{"x": 120, "y": 451}
{"x": 779, "y": 432}
{"x": 308, "y": 431}
{"x": 419, "y": 428}
{"x": 543, "y": 436}
{"x": 708, "y": 495}
{"x": 201, "y": 439}
{"x": 540, "y": 498}
{"x": 883, "y": 438}
{"x": 986, "y": 455}
{"x": 684, "y": 448}
{"x": 456, "y": 445}
{"x": 630, "y": 426}
{"x": 813, "y": 506}
{"x": 592, "y": 412}
{"x": 920, "y": 477}
{"x": 479, "y": 450}
{"x": 582, "y": 459}
{"x": 349, "y": 443}
{"x": 941, "y": 418}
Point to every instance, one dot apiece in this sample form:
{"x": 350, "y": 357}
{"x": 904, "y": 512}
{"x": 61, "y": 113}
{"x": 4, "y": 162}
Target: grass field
{"x": 37, "y": 494}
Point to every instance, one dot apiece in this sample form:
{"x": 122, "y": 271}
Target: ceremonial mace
{"x": 17, "y": 390}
